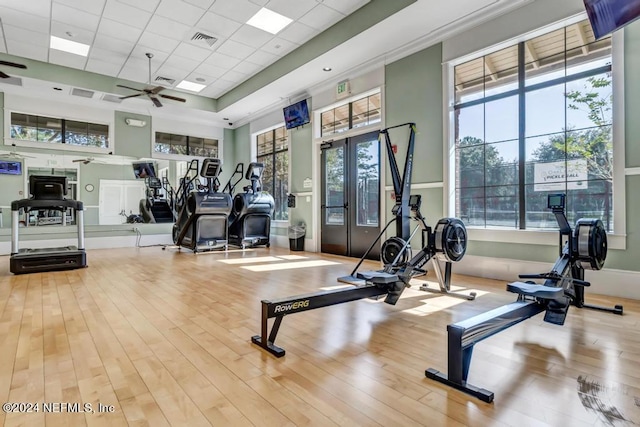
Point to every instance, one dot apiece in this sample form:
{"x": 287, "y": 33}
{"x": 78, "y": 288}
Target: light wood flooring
{"x": 164, "y": 337}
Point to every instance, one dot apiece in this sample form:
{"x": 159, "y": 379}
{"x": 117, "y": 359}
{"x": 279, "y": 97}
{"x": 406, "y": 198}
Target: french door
{"x": 350, "y": 209}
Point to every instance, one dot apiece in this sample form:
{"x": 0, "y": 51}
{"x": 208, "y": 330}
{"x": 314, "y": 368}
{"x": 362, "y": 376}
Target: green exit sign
{"x": 342, "y": 89}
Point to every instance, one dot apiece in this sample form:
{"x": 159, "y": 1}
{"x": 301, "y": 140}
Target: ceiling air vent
{"x": 111, "y": 98}
{"x": 205, "y": 38}
{"x": 81, "y": 92}
{"x": 168, "y": 80}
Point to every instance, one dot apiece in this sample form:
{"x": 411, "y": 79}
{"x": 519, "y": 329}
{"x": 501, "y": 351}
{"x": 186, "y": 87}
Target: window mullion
{"x": 521, "y": 137}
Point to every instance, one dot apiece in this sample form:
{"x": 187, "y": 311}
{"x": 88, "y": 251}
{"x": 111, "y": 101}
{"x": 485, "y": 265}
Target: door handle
{"x": 345, "y": 206}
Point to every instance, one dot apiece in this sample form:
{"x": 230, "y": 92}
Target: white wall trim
{"x": 532, "y": 237}
{"x": 618, "y": 283}
{"x": 306, "y": 193}
{"x": 632, "y": 171}
{"x": 107, "y": 242}
{"x": 421, "y": 186}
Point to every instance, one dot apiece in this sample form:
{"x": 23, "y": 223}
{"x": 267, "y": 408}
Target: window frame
{"x": 58, "y": 145}
{"x": 617, "y": 240}
{"x": 256, "y": 156}
{"x": 182, "y": 157}
{"x": 317, "y": 116}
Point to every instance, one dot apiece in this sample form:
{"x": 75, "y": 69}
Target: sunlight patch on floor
{"x": 290, "y": 265}
{"x": 293, "y": 257}
{"x": 251, "y": 260}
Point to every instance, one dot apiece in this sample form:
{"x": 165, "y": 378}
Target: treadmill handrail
{"x": 30, "y": 204}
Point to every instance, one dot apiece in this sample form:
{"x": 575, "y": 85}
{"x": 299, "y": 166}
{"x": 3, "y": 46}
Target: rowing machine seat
{"x": 535, "y": 290}
{"x": 378, "y": 277}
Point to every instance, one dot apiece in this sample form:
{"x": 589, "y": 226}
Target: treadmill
{"x": 47, "y": 193}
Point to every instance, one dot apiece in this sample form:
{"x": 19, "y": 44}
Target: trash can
{"x": 296, "y": 237}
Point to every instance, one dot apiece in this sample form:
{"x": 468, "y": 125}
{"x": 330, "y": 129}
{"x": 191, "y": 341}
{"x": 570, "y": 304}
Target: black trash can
{"x": 296, "y": 237}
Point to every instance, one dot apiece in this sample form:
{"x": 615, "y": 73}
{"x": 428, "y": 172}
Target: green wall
{"x": 129, "y": 140}
{"x": 300, "y": 157}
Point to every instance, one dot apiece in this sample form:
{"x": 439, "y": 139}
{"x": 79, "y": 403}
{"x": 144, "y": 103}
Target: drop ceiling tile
{"x": 92, "y": 6}
{"x": 234, "y": 76}
{"x": 148, "y": 5}
{"x": 22, "y": 35}
{"x": 119, "y": 30}
{"x": 217, "y": 24}
{"x": 262, "y": 58}
{"x": 126, "y": 14}
{"x": 298, "y": 33}
{"x": 190, "y": 51}
{"x": 104, "y": 55}
{"x": 247, "y": 68}
{"x": 158, "y": 43}
{"x": 217, "y": 88}
{"x": 67, "y": 59}
{"x": 204, "y": 79}
{"x": 139, "y": 52}
{"x": 168, "y": 28}
{"x": 224, "y": 61}
{"x": 172, "y": 73}
{"x": 278, "y": 46}
{"x": 181, "y": 63}
{"x": 24, "y": 20}
{"x": 104, "y": 41}
{"x": 2, "y": 46}
{"x": 79, "y": 35}
{"x": 238, "y": 10}
{"x": 210, "y": 71}
{"x": 33, "y": 7}
{"x": 321, "y": 17}
{"x": 77, "y": 18}
{"x": 251, "y": 36}
{"x": 134, "y": 74}
{"x": 203, "y": 4}
{"x": 27, "y": 50}
{"x": 235, "y": 49}
{"x": 345, "y": 7}
{"x": 293, "y": 9}
{"x": 106, "y": 68}
{"x": 260, "y": 3}
{"x": 180, "y": 11}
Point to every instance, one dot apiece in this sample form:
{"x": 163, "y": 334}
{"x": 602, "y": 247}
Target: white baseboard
{"x": 618, "y": 283}
{"x": 93, "y": 242}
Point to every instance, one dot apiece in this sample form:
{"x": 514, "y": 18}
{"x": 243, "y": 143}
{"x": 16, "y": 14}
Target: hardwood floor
{"x": 164, "y": 338}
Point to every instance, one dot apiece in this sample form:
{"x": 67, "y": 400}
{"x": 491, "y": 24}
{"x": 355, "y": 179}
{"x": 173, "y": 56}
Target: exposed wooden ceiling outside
{"x": 542, "y": 55}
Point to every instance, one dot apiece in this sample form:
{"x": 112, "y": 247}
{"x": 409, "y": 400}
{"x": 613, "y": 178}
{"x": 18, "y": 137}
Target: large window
{"x": 27, "y": 127}
{"x": 362, "y": 112}
{"x": 531, "y": 120}
{"x": 169, "y": 143}
{"x": 273, "y": 151}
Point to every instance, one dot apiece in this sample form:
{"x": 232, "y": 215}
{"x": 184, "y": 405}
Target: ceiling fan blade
{"x": 156, "y": 90}
{"x": 174, "y": 98}
{"x": 131, "y": 96}
{"x": 155, "y": 101}
{"x": 129, "y": 87}
{"x": 4, "y": 76}
{"x": 13, "y": 64}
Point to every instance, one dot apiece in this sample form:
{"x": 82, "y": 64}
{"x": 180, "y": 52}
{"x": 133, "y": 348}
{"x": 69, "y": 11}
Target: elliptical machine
{"x": 202, "y": 222}
{"x": 250, "y": 219}
{"x": 583, "y": 247}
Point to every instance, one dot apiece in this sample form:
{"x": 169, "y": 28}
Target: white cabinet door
{"x": 117, "y": 196}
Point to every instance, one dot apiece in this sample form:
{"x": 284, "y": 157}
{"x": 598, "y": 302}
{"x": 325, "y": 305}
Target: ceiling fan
{"x": 14, "y": 155}
{"x": 151, "y": 92}
{"x": 10, "y": 64}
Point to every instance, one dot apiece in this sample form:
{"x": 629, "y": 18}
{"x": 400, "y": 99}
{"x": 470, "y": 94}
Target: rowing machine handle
{"x": 580, "y": 282}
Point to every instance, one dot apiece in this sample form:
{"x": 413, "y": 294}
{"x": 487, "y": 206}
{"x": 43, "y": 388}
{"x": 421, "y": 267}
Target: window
{"x": 27, "y": 127}
{"x": 531, "y": 120}
{"x": 363, "y": 112}
{"x": 169, "y": 143}
{"x": 273, "y": 151}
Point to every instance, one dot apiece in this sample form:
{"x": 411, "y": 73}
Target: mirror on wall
{"x": 114, "y": 189}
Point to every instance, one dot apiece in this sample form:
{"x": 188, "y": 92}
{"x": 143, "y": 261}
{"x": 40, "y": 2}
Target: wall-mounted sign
{"x": 307, "y": 183}
{"x": 553, "y": 176}
{"x": 342, "y": 90}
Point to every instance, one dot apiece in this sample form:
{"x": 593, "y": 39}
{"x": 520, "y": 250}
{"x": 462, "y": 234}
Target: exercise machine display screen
{"x": 555, "y": 201}
{"x": 414, "y": 201}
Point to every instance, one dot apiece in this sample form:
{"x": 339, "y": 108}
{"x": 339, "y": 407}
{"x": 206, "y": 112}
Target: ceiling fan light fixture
{"x": 69, "y": 46}
{"x": 269, "y": 21}
{"x": 190, "y": 86}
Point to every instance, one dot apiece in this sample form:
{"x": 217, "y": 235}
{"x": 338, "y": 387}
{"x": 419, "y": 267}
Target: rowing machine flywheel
{"x": 591, "y": 247}
{"x": 451, "y": 238}
{"x": 390, "y": 250}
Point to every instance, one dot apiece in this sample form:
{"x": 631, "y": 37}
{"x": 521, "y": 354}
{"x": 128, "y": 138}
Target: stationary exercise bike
{"x": 583, "y": 247}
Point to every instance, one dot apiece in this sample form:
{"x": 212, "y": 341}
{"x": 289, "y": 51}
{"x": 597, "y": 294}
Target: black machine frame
{"x": 563, "y": 286}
